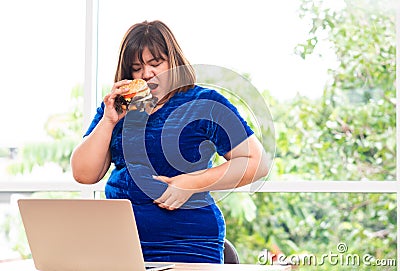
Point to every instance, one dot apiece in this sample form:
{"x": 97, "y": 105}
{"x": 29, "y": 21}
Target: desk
{"x": 27, "y": 265}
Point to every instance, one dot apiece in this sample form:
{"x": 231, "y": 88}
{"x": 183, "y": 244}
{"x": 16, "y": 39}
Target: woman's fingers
{"x": 164, "y": 200}
{"x": 170, "y": 204}
{"x": 175, "y": 205}
{"x": 118, "y": 87}
{"x": 173, "y": 198}
{"x": 119, "y": 84}
{"x": 163, "y": 197}
{"x": 109, "y": 99}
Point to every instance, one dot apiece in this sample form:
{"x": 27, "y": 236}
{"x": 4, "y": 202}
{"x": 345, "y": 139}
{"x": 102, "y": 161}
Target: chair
{"x": 230, "y": 253}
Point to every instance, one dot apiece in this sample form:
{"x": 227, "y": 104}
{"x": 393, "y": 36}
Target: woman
{"x": 162, "y": 156}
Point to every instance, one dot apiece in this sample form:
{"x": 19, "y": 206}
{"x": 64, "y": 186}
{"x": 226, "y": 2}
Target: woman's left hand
{"x": 176, "y": 194}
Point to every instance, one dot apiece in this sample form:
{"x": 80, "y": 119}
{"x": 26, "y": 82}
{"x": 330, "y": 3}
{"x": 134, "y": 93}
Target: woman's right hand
{"x": 110, "y": 114}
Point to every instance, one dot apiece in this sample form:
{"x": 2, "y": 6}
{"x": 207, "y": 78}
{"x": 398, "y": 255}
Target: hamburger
{"x": 136, "y": 98}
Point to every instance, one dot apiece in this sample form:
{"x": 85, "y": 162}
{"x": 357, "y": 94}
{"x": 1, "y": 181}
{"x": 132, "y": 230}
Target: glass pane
{"x": 349, "y": 131}
{"x": 42, "y": 64}
{"x": 321, "y": 231}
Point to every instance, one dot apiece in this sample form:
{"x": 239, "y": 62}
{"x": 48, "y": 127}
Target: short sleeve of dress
{"x": 96, "y": 119}
{"x": 227, "y": 128}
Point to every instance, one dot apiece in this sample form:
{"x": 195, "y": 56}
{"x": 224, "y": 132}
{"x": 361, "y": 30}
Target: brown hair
{"x": 159, "y": 39}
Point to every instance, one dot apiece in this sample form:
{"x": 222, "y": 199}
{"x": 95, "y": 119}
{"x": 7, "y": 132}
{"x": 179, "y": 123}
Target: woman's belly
{"x": 156, "y": 224}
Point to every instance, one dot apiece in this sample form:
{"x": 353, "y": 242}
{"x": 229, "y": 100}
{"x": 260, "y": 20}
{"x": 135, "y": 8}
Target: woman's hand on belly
{"x": 177, "y": 193}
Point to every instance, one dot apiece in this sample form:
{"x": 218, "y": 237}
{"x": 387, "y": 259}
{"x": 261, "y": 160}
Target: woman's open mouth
{"x": 152, "y": 86}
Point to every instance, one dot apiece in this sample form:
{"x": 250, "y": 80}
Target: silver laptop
{"x": 83, "y": 235}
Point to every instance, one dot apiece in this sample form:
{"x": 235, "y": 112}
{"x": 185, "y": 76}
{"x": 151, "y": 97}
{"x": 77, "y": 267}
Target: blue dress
{"x": 181, "y": 137}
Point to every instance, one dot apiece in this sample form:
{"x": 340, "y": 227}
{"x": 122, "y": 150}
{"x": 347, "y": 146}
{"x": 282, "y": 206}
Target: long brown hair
{"x": 158, "y": 38}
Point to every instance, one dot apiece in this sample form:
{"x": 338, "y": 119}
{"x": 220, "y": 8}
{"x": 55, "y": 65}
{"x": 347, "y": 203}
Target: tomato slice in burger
{"x": 129, "y": 95}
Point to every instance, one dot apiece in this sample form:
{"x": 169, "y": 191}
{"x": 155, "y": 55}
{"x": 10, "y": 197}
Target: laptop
{"x": 83, "y": 235}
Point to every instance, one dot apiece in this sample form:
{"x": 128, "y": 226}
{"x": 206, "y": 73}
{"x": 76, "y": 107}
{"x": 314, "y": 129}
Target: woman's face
{"x": 153, "y": 71}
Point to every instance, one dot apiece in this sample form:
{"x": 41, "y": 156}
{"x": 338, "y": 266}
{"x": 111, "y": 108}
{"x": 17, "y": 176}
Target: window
{"x": 42, "y": 69}
{"x": 334, "y": 145}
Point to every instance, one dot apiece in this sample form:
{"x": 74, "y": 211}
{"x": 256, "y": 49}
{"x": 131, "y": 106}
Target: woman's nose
{"x": 148, "y": 73}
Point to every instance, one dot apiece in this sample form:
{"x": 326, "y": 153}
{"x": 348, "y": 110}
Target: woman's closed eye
{"x": 156, "y": 63}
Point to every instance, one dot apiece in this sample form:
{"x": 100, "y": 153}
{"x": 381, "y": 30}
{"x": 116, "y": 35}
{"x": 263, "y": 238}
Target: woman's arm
{"x": 245, "y": 163}
{"x": 91, "y": 159}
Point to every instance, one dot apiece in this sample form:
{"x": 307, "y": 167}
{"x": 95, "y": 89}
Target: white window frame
{"x": 92, "y": 97}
